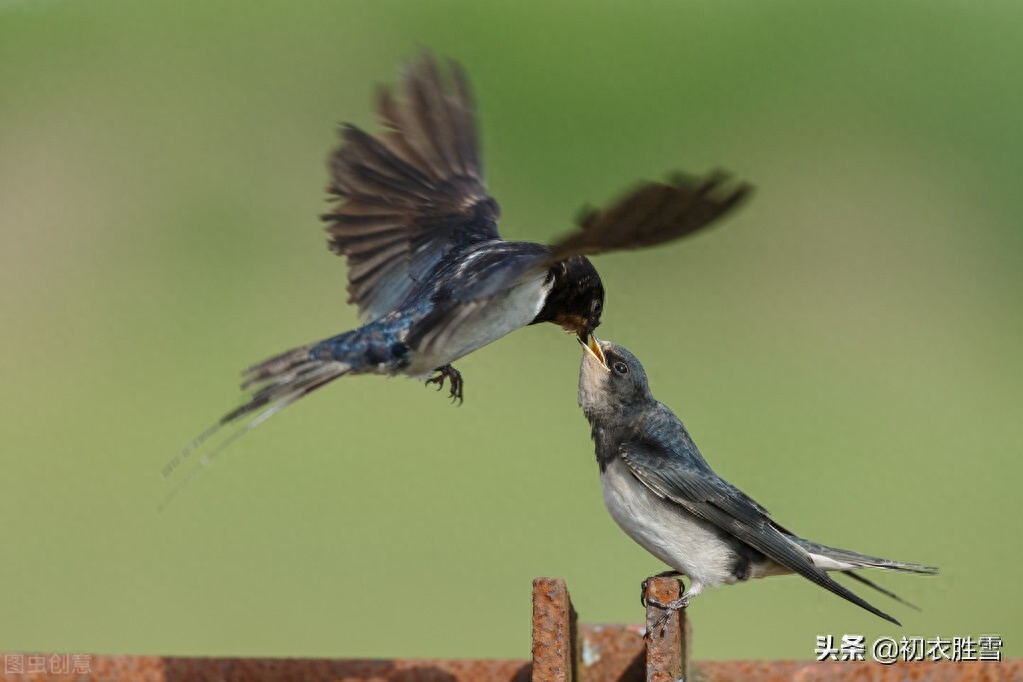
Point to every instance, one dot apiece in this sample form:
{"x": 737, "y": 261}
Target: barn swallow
{"x": 659, "y": 490}
{"x": 430, "y": 274}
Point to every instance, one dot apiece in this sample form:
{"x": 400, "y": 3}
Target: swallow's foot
{"x": 669, "y": 608}
{"x": 455, "y": 379}
{"x": 646, "y": 583}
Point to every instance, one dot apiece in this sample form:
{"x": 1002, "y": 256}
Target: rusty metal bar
{"x": 145, "y": 669}
{"x": 157, "y": 669}
{"x": 562, "y": 651}
{"x": 611, "y": 653}
{"x": 1008, "y": 670}
{"x": 554, "y": 650}
{"x": 667, "y": 640}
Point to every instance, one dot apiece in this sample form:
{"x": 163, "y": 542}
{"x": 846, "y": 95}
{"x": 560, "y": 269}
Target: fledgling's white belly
{"x": 516, "y": 309}
{"x": 688, "y": 544}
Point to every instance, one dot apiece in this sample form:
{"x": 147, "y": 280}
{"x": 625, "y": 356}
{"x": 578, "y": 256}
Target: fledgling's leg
{"x": 671, "y": 607}
{"x": 455, "y": 377}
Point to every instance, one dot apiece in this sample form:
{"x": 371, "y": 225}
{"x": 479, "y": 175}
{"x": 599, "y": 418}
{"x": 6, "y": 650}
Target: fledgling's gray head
{"x": 611, "y": 380}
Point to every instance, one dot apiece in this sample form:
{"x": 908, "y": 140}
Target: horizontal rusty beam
{"x": 563, "y": 651}
{"x": 1009, "y": 670}
{"x": 159, "y": 669}
{"x": 617, "y": 654}
{"x": 611, "y": 653}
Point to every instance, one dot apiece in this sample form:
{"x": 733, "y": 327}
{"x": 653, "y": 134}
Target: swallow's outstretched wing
{"x": 408, "y": 195}
{"x": 653, "y": 213}
{"x": 702, "y": 493}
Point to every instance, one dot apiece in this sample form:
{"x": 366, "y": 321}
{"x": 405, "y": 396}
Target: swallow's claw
{"x": 669, "y": 608}
{"x": 455, "y": 385}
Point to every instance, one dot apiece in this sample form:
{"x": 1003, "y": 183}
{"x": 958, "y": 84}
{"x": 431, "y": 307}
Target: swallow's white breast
{"x": 689, "y": 545}
{"x": 515, "y": 309}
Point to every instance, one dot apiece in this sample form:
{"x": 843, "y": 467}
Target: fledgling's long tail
{"x": 282, "y": 379}
{"x": 847, "y": 562}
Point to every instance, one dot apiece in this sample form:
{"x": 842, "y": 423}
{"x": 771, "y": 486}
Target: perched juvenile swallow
{"x": 427, "y": 267}
{"x": 664, "y": 495}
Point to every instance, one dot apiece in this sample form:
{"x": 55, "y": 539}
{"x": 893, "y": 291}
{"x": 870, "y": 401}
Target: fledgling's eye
{"x": 621, "y": 368}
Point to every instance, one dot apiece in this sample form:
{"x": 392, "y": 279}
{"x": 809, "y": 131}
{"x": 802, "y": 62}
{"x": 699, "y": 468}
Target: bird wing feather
{"x": 706, "y": 495}
{"x": 473, "y": 284}
{"x": 410, "y": 194}
{"x": 653, "y": 213}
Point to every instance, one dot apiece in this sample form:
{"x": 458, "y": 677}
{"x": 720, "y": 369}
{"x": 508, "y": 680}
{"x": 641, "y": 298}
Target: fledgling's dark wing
{"x": 653, "y": 213}
{"x": 703, "y": 493}
{"x": 411, "y": 193}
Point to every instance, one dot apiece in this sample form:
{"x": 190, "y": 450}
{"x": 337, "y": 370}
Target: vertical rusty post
{"x": 553, "y": 632}
{"x": 667, "y": 647}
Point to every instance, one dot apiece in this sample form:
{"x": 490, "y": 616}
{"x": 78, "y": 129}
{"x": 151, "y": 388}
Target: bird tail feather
{"x": 848, "y": 562}
{"x": 888, "y": 593}
{"x": 853, "y": 560}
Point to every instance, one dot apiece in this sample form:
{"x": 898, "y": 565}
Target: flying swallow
{"x": 659, "y": 489}
{"x": 430, "y": 274}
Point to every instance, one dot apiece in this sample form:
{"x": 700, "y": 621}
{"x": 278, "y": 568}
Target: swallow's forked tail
{"x": 847, "y": 562}
{"x": 275, "y": 383}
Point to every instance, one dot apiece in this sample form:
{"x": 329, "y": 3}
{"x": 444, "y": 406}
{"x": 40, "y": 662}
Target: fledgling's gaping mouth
{"x": 592, "y": 346}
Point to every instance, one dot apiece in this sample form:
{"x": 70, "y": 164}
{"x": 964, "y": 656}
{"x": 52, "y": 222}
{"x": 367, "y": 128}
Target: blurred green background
{"x": 847, "y": 349}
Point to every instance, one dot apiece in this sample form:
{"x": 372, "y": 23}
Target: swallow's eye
{"x": 597, "y": 306}
{"x": 621, "y": 368}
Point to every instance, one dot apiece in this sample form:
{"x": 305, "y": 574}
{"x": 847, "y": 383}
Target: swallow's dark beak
{"x": 592, "y": 346}
{"x": 586, "y": 328}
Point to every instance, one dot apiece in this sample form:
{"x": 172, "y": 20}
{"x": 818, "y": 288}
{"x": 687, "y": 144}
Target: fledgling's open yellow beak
{"x": 592, "y": 346}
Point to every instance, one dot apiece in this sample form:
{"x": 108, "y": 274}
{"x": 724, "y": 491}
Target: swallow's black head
{"x": 576, "y": 298}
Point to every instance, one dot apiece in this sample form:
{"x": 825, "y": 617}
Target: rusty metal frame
{"x": 563, "y": 651}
